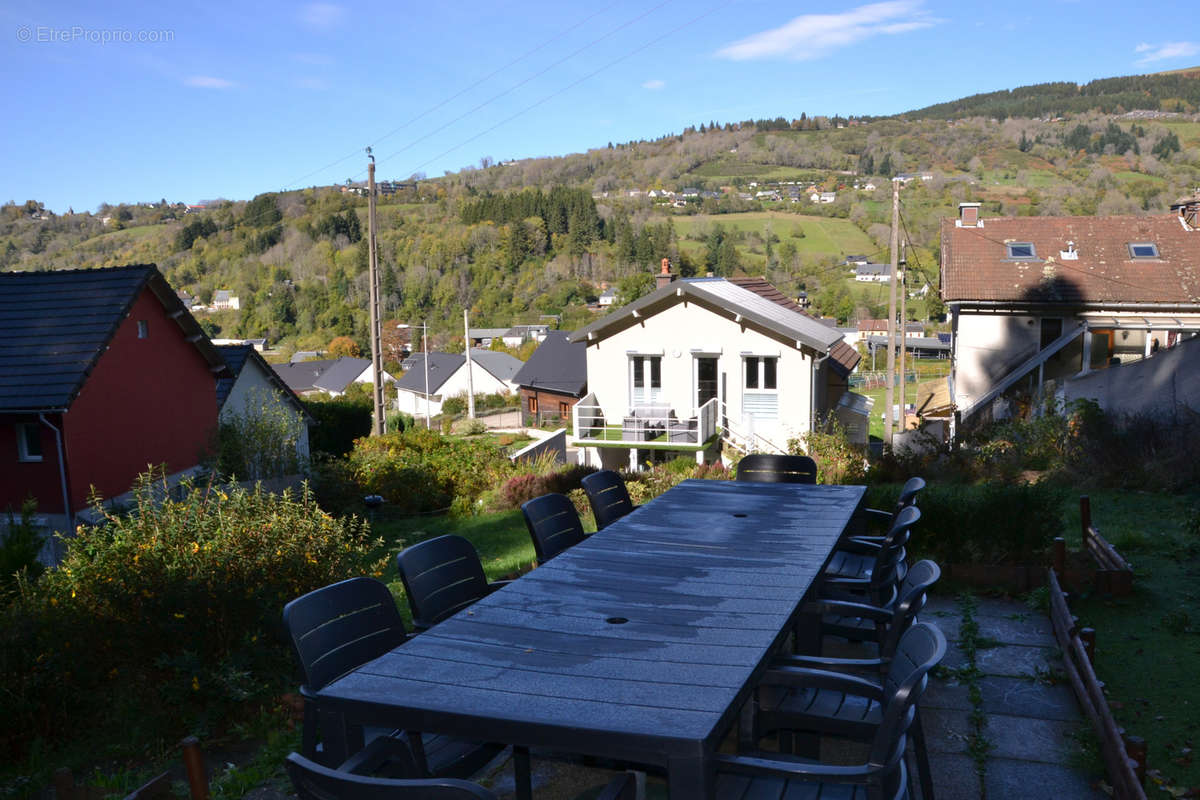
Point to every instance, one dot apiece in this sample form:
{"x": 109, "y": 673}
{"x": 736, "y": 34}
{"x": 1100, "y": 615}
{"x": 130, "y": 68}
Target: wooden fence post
{"x": 1060, "y": 557}
{"x": 1088, "y": 637}
{"x": 193, "y": 762}
{"x": 1085, "y": 519}
{"x": 1135, "y": 747}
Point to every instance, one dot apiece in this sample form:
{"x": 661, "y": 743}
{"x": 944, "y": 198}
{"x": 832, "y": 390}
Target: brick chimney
{"x": 968, "y": 215}
{"x": 665, "y": 276}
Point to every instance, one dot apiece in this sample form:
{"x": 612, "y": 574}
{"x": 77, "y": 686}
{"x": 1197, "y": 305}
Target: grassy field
{"x": 821, "y": 235}
{"x": 926, "y": 369}
{"x": 1148, "y": 644}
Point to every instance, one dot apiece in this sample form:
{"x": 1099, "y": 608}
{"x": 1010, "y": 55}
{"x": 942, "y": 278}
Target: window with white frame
{"x": 760, "y": 395}
{"x": 29, "y": 442}
{"x": 645, "y": 380}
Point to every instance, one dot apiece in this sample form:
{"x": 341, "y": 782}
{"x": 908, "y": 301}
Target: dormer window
{"x": 1143, "y": 250}
{"x": 1021, "y": 251}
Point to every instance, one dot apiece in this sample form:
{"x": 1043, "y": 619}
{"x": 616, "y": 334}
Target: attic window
{"x": 1143, "y": 250}
{"x": 143, "y": 329}
{"x": 1022, "y": 251}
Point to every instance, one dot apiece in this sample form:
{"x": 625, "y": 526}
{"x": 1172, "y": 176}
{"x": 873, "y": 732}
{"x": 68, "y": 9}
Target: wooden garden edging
{"x": 1124, "y": 757}
{"x": 1113, "y": 574}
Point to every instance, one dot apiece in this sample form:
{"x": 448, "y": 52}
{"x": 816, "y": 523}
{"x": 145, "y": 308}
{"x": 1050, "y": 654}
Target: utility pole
{"x": 903, "y": 264}
{"x": 377, "y": 421}
{"x": 425, "y": 339}
{"x": 470, "y": 379}
{"x": 889, "y": 394}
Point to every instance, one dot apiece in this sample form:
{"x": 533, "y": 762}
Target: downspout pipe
{"x": 62, "y": 475}
{"x": 812, "y": 406}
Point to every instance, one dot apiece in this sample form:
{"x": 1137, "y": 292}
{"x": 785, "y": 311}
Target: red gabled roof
{"x": 844, "y": 357}
{"x": 976, "y": 266}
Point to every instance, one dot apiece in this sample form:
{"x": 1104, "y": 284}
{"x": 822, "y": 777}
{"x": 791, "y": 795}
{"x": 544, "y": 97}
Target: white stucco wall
{"x": 988, "y": 347}
{"x": 680, "y": 333}
{"x": 251, "y": 383}
{"x": 1161, "y": 385}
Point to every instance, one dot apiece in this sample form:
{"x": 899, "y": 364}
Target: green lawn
{"x": 822, "y": 235}
{"x": 1148, "y": 644}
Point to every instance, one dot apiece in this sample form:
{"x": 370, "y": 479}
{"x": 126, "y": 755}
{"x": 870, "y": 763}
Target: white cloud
{"x": 208, "y": 82}
{"x": 654, "y": 84}
{"x": 814, "y": 36}
{"x": 1164, "y": 52}
{"x": 321, "y": 15}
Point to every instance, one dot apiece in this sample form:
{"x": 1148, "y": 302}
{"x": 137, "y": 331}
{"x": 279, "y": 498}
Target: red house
{"x": 102, "y": 372}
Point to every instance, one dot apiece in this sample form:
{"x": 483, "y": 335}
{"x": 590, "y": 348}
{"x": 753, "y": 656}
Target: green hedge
{"x": 991, "y": 523}
{"x": 338, "y": 424}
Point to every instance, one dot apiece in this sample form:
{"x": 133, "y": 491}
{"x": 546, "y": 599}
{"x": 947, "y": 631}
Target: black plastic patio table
{"x": 639, "y": 644}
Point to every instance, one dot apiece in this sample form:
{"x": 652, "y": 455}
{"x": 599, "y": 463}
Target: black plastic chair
{"x": 882, "y": 518}
{"x": 553, "y": 525}
{"x": 883, "y": 776}
{"x": 316, "y": 782}
{"x": 769, "y": 468}
{"x": 337, "y": 628}
{"x": 608, "y": 497}
{"x": 856, "y": 558}
{"x": 819, "y": 711}
{"x": 441, "y": 577}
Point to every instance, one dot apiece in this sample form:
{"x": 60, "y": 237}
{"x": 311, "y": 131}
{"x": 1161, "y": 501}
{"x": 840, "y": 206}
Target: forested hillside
{"x": 517, "y": 241}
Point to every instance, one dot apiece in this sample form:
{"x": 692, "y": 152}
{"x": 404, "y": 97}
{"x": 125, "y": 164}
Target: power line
{"x": 456, "y": 95}
{"x": 575, "y": 83}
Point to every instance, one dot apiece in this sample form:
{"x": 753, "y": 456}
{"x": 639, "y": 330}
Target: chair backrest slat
{"x": 776, "y": 468}
{"x": 553, "y": 525}
{"x": 342, "y": 626}
{"x": 920, "y": 649}
{"x": 441, "y": 576}
{"x": 607, "y": 495}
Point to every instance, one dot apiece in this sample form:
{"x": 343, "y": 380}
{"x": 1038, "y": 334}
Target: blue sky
{"x": 126, "y": 102}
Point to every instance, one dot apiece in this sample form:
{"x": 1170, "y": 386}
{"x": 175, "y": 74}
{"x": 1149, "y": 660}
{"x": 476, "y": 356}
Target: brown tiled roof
{"x": 975, "y": 263}
{"x": 844, "y": 357}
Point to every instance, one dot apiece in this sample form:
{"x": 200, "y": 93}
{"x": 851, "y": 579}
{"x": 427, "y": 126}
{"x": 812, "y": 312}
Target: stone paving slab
{"x": 1030, "y": 739}
{"x": 946, "y": 730}
{"x": 1020, "y": 627}
{"x": 1016, "y": 697}
{"x": 1031, "y": 780}
{"x": 1011, "y": 660}
{"x": 954, "y": 778}
{"x": 950, "y": 695}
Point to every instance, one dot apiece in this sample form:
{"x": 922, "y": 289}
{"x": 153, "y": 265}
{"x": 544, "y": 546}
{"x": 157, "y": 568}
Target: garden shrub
{"x": 838, "y": 461}
{"x": 176, "y": 603}
{"x": 261, "y": 440}
{"x": 20, "y": 544}
{"x": 414, "y": 471}
{"x": 522, "y": 488}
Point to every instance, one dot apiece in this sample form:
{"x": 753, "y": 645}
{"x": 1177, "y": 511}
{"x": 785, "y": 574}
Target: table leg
{"x": 691, "y": 778}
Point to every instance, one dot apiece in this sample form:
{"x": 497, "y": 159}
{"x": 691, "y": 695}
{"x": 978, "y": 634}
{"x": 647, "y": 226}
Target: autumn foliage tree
{"x": 343, "y": 346}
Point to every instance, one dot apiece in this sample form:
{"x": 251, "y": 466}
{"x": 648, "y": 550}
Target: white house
{"x": 331, "y": 376}
{"x": 224, "y": 301}
{"x": 607, "y": 297}
{"x": 254, "y": 382}
{"x": 492, "y": 372}
{"x": 702, "y": 362}
{"x": 1044, "y": 302}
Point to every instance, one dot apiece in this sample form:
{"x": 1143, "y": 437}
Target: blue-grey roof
{"x": 443, "y": 365}
{"x": 558, "y": 365}
{"x": 327, "y": 374}
{"x": 55, "y": 325}
{"x": 502, "y": 365}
